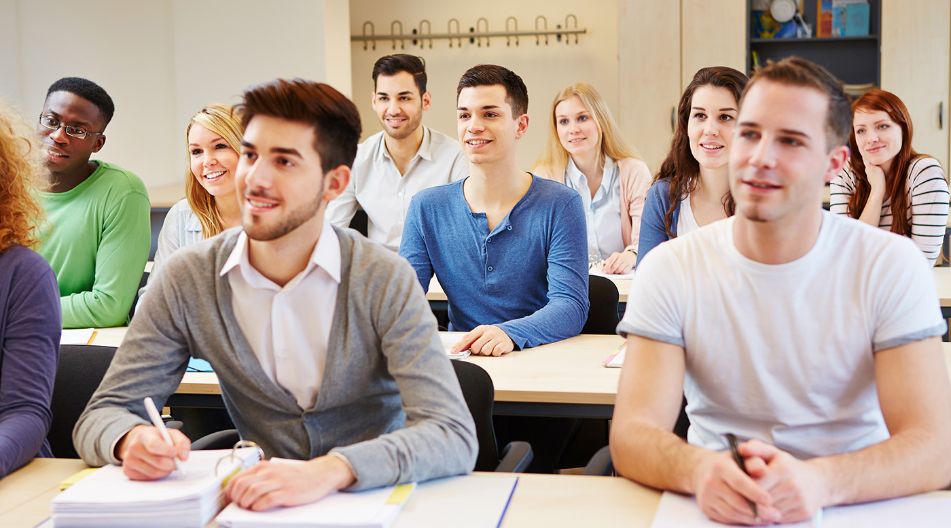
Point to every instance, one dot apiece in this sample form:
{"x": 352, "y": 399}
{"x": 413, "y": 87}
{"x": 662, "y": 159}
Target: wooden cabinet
{"x": 916, "y": 57}
{"x": 661, "y": 44}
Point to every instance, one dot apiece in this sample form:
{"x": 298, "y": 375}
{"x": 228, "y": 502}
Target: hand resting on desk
{"x": 271, "y": 484}
{"x": 146, "y": 456}
{"x": 784, "y": 488}
{"x": 485, "y": 340}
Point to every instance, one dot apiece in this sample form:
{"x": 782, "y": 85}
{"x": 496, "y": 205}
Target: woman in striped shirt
{"x": 886, "y": 183}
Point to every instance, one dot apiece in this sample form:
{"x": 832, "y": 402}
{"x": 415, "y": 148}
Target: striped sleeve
{"x": 840, "y": 191}
{"x": 928, "y": 194}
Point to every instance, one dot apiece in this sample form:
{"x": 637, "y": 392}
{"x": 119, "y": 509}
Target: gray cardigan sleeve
{"x": 439, "y": 438}
{"x": 150, "y": 362}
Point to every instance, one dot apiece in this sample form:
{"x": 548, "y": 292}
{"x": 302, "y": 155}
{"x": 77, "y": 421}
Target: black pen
{"x": 735, "y": 451}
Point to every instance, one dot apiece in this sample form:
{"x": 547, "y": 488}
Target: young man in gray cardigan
{"x": 322, "y": 341}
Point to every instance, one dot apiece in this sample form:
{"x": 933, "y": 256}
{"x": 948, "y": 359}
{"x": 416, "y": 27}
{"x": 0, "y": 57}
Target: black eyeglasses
{"x": 53, "y": 123}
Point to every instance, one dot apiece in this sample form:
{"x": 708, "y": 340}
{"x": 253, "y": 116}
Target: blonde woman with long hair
{"x": 585, "y": 151}
{"x": 30, "y": 316}
{"x": 212, "y": 142}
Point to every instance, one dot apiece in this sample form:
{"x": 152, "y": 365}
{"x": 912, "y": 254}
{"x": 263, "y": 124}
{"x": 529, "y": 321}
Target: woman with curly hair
{"x": 30, "y": 318}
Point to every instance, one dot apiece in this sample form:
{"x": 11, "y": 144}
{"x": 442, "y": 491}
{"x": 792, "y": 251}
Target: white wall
{"x": 545, "y": 69}
{"x": 162, "y": 60}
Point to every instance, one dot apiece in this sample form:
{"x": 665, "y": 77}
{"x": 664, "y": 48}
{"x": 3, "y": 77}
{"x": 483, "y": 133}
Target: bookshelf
{"x": 853, "y": 59}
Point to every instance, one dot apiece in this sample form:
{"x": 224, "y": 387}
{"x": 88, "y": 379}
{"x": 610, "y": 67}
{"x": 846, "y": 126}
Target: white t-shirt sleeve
{"x": 655, "y": 306}
{"x": 903, "y": 300}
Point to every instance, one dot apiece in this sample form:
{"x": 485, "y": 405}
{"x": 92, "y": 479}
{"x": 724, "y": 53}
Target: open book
{"x": 191, "y": 496}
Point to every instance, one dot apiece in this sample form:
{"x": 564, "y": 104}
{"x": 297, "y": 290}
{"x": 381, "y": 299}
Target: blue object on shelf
{"x": 857, "y": 20}
{"x": 787, "y": 31}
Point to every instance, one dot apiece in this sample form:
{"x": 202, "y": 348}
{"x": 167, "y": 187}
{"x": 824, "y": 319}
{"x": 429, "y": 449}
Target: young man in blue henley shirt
{"x": 507, "y": 247}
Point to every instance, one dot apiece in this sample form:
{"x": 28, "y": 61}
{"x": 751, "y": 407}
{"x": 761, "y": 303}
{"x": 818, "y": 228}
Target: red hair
{"x": 19, "y": 172}
{"x": 896, "y": 178}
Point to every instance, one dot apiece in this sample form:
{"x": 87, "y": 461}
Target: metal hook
{"x": 398, "y": 36}
{"x": 541, "y": 18}
{"x": 423, "y": 32}
{"x": 372, "y": 34}
{"x": 513, "y": 29}
{"x": 450, "y": 31}
{"x": 479, "y": 23}
{"x": 568, "y": 18}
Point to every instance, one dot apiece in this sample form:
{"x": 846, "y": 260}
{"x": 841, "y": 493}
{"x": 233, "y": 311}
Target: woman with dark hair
{"x": 885, "y": 178}
{"x": 30, "y": 316}
{"x": 692, "y": 189}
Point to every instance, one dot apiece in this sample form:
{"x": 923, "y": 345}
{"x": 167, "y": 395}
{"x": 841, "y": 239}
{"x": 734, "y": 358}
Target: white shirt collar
{"x": 425, "y": 147}
{"x": 326, "y": 256}
{"x": 574, "y": 176}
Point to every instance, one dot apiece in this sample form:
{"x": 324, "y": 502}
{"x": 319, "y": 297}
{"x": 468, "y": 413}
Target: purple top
{"x": 30, "y": 327}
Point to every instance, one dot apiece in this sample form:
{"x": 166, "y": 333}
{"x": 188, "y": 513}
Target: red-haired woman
{"x": 30, "y": 316}
{"x": 886, "y": 183}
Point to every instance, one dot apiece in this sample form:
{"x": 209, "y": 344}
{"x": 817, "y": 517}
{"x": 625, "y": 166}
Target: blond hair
{"x": 221, "y": 120}
{"x": 554, "y": 160}
{"x": 20, "y": 172}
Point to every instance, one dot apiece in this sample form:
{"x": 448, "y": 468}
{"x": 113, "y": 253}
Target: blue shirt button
{"x": 491, "y": 268}
{"x": 509, "y": 228}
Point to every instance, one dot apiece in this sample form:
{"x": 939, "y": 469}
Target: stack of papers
{"x": 191, "y": 496}
{"x": 376, "y": 508}
{"x": 78, "y": 336}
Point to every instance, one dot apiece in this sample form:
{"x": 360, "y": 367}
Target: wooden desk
{"x": 942, "y": 282}
{"x": 539, "y": 500}
{"x": 25, "y": 495}
{"x": 436, "y": 292}
{"x": 561, "y": 379}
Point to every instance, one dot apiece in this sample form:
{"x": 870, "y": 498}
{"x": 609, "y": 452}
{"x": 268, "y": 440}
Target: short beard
{"x": 294, "y": 219}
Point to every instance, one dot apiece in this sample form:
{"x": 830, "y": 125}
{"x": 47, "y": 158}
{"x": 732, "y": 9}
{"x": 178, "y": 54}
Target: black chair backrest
{"x": 479, "y": 392}
{"x": 602, "y": 315}
{"x": 360, "y": 222}
{"x": 135, "y": 300}
{"x": 81, "y": 369}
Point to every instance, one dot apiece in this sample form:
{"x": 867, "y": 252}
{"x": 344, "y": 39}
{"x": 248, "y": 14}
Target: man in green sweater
{"x": 98, "y": 234}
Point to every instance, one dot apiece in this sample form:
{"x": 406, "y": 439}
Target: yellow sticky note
{"x": 401, "y": 493}
{"x": 64, "y": 485}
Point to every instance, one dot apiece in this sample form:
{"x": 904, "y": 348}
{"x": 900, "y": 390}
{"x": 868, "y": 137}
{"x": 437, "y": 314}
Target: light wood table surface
{"x": 942, "y": 281}
{"x": 538, "y": 500}
{"x": 566, "y": 378}
{"x": 436, "y": 292}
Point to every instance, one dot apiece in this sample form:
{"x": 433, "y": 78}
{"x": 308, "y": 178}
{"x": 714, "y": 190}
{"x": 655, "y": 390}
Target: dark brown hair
{"x": 796, "y": 71}
{"x": 680, "y": 168}
{"x": 516, "y": 94}
{"x": 896, "y": 191}
{"x": 390, "y": 65}
{"x": 335, "y": 118}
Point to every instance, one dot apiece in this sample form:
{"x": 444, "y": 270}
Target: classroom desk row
{"x": 538, "y": 500}
{"x": 563, "y": 379}
{"x": 623, "y": 283}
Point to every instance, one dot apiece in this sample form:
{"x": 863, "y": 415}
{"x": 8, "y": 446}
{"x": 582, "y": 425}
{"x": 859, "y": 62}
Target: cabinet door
{"x": 712, "y": 34}
{"x": 916, "y": 37}
{"x": 648, "y": 74}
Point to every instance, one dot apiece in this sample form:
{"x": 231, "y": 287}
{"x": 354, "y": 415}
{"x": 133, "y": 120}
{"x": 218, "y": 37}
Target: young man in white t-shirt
{"x": 811, "y": 337}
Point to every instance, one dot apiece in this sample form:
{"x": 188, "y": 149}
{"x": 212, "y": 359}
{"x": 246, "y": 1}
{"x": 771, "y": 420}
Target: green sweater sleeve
{"x": 120, "y": 260}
